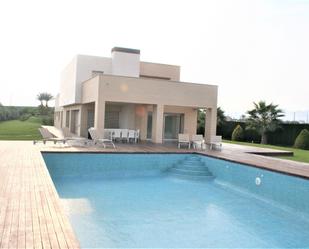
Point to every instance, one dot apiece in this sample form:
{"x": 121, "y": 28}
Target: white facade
{"x": 80, "y": 69}
{"x": 124, "y": 92}
{"x": 123, "y": 62}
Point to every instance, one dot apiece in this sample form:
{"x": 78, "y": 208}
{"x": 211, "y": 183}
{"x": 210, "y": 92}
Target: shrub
{"x": 25, "y": 117}
{"x": 35, "y": 119}
{"x": 47, "y": 120}
{"x": 238, "y": 133}
{"x": 302, "y": 140}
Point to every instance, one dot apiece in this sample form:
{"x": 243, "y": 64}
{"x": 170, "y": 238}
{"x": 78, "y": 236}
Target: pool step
{"x": 191, "y": 177}
{"x": 180, "y": 171}
{"x": 191, "y": 167}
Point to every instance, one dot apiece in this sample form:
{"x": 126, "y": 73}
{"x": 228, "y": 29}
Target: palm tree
{"x": 264, "y": 118}
{"x": 47, "y": 97}
{"x": 40, "y": 97}
{"x": 44, "y": 97}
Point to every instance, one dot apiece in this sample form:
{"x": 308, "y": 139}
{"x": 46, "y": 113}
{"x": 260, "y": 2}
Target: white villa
{"x": 123, "y": 92}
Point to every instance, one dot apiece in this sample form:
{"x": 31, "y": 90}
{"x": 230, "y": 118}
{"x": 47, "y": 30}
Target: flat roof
{"x": 126, "y": 50}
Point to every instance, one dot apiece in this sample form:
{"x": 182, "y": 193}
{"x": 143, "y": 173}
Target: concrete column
{"x": 65, "y": 128}
{"x": 70, "y": 122}
{"x": 143, "y": 116}
{"x": 190, "y": 121}
{"x": 61, "y": 118}
{"x": 143, "y": 133}
{"x": 157, "y": 123}
{"x": 210, "y": 123}
{"x": 99, "y": 115}
{"x": 83, "y": 121}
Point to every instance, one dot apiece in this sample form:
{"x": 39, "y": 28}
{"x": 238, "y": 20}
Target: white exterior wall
{"x": 125, "y": 64}
{"x": 127, "y": 117}
{"x": 85, "y": 66}
{"x": 150, "y": 69}
{"x": 121, "y": 63}
{"x": 152, "y": 91}
{"x": 67, "y": 84}
{"x": 79, "y": 70}
{"x": 57, "y": 106}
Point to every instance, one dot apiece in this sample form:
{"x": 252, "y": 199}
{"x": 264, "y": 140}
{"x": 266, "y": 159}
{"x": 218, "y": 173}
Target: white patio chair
{"x": 131, "y": 135}
{"x": 108, "y": 134}
{"x": 97, "y": 138}
{"x": 216, "y": 142}
{"x": 197, "y": 141}
{"x": 137, "y": 134}
{"x": 116, "y": 135}
{"x": 124, "y": 135}
{"x": 184, "y": 139}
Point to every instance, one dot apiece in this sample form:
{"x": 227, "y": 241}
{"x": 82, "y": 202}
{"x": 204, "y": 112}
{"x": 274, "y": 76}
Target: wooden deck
{"x": 31, "y": 215}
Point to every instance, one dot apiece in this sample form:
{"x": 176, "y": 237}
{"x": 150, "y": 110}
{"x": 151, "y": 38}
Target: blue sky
{"x": 253, "y": 50}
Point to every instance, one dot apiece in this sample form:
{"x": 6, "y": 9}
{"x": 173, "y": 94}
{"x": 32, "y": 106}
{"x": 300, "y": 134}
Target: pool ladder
{"x": 191, "y": 167}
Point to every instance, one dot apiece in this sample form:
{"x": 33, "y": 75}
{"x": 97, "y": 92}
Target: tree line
{"x": 24, "y": 113}
{"x": 13, "y": 112}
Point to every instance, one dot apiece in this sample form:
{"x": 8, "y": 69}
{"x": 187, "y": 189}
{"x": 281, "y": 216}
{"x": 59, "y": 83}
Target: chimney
{"x": 125, "y": 62}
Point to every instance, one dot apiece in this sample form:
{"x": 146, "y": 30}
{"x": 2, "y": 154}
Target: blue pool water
{"x": 153, "y": 200}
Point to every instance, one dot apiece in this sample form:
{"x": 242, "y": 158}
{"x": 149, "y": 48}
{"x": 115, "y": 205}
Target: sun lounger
{"x": 97, "y": 138}
{"x": 48, "y": 136}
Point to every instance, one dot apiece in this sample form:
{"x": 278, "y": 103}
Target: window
{"x": 67, "y": 119}
{"x": 61, "y": 119}
{"x": 90, "y": 119}
{"x": 149, "y": 125}
{"x": 173, "y": 125}
{"x": 111, "y": 119}
{"x": 74, "y": 121}
{"x": 95, "y": 73}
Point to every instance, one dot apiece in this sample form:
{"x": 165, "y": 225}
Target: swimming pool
{"x": 178, "y": 200}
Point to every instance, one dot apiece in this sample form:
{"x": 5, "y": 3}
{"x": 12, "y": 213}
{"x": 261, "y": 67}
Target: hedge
{"x": 228, "y": 127}
{"x": 285, "y": 135}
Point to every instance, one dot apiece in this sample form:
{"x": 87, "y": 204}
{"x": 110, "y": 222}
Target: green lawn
{"x": 20, "y": 130}
{"x": 299, "y": 155}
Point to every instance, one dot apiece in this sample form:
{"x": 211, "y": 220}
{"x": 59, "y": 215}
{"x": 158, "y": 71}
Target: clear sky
{"x": 252, "y": 49}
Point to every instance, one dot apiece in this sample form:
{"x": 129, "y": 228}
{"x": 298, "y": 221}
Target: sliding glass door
{"x": 149, "y": 125}
{"x": 173, "y": 125}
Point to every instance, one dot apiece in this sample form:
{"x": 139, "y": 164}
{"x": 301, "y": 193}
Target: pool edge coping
{"x": 182, "y": 152}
